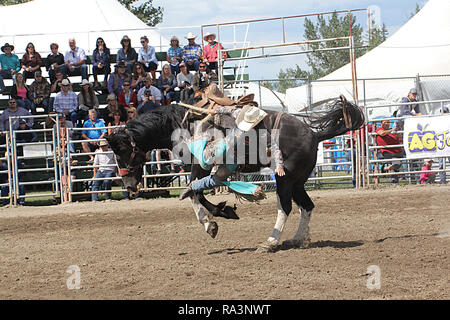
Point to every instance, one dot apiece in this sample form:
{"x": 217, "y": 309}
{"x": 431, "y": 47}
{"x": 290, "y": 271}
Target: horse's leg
{"x": 302, "y": 237}
{"x": 284, "y": 193}
{"x": 203, "y": 217}
{"x": 220, "y": 210}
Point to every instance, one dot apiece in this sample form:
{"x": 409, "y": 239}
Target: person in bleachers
{"x": 139, "y": 75}
{"x": 115, "y": 81}
{"x": 101, "y": 61}
{"x": 148, "y": 103}
{"x": 210, "y": 51}
{"x": 184, "y": 80}
{"x": 203, "y": 78}
{"x": 40, "y": 92}
{"x": 117, "y": 116}
{"x": 107, "y": 113}
{"x": 66, "y": 102}
{"x": 147, "y": 56}
{"x": 131, "y": 113}
{"x": 75, "y": 59}
{"x": 174, "y": 55}
{"x": 166, "y": 84}
{"x": 192, "y": 53}
{"x": 9, "y": 65}
{"x": 55, "y": 60}
{"x": 87, "y": 99}
{"x": 30, "y": 62}
{"x": 21, "y": 92}
{"x": 127, "y": 54}
{"x": 127, "y": 97}
{"x": 14, "y": 111}
{"x": 92, "y": 122}
{"x": 154, "y": 91}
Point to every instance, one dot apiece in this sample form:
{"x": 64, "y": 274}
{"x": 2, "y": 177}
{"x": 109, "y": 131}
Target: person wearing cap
{"x": 147, "y": 56}
{"x": 31, "y": 61}
{"x": 211, "y": 50}
{"x": 92, "y": 122}
{"x": 54, "y": 61}
{"x": 87, "y": 99}
{"x": 127, "y": 54}
{"x": 192, "y": 53}
{"x": 247, "y": 118}
{"x": 184, "y": 80}
{"x": 148, "y": 92}
{"x": 14, "y": 110}
{"x": 174, "y": 55}
{"x": 104, "y": 167}
{"x": 75, "y": 59}
{"x": 101, "y": 61}
{"x": 40, "y": 92}
{"x": 115, "y": 81}
{"x": 409, "y": 109}
{"x": 426, "y": 175}
{"x": 9, "y": 64}
{"x": 66, "y": 102}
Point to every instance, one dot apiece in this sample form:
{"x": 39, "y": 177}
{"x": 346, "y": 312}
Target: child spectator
{"x": 427, "y": 176}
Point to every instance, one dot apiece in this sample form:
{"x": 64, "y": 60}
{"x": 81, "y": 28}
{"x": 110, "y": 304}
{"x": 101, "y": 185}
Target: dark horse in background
{"x": 298, "y": 142}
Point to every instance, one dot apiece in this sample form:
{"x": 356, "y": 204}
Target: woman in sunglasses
{"x": 31, "y": 61}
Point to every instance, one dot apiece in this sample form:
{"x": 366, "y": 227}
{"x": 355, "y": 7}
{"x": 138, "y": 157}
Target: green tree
{"x": 11, "y": 2}
{"x": 144, "y": 11}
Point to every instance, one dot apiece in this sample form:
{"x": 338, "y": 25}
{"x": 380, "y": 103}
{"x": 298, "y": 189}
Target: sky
{"x": 192, "y": 13}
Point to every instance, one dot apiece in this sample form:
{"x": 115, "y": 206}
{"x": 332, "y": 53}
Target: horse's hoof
{"x": 213, "y": 228}
{"x": 296, "y": 243}
{"x": 267, "y": 247}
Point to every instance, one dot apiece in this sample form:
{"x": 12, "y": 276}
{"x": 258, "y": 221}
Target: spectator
{"x": 92, "y": 122}
{"x": 184, "y": 80}
{"x": 148, "y": 103}
{"x": 166, "y": 84}
{"x": 192, "y": 53}
{"x": 101, "y": 62}
{"x": 56, "y": 85}
{"x": 24, "y": 135}
{"x": 154, "y": 91}
{"x": 40, "y": 92}
{"x": 104, "y": 167}
{"x": 117, "y": 116}
{"x": 127, "y": 97}
{"x": 203, "y": 78}
{"x": 9, "y": 65}
{"x": 132, "y": 113}
{"x": 54, "y": 62}
{"x": 113, "y": 106}
{"x": 115, "y": 81}
{"x": 75, "y": 59}
{"x": 409, "y": 109}
{"x": 13, "y": 111}
{"x": 174, "y": 55}
{"x": 66, "y": 102}
{"x": 210, "y": 51}
{"x": 427, "y": 176}
{"x": 442, "y": 166}
{"x": 63, "y": 124}
{"x": 147, "y": 57}
{"x": 86, "y": 100}
{"x": 31, "y": 61}
{"x": 127, "y": 54}
{"x": 389, "y": 137}
{"x": 139, "y": 75}
{"x": 21, "y": 93}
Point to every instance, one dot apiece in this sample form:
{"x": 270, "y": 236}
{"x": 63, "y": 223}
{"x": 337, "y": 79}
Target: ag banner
{"x": 427, "y": 137}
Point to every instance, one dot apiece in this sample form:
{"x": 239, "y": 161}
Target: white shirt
{"x": 75, "y": 56}
{"x": 105, "y": 161}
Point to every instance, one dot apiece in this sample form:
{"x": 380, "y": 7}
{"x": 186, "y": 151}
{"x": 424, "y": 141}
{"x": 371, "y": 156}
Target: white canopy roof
{"x": 421, "y": 46}
{"x": 45, "y": 21}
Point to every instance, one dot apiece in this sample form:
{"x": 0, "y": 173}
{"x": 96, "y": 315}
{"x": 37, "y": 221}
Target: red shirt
{"x": 388, "y": 140}
{"x": 133, "y": 99}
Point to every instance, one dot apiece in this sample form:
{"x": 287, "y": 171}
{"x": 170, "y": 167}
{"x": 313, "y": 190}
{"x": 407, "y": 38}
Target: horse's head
{"x": 129, "y": 158}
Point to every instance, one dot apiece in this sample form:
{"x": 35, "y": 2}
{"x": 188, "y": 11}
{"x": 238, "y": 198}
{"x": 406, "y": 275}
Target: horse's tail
{"x": 342, "y": 117}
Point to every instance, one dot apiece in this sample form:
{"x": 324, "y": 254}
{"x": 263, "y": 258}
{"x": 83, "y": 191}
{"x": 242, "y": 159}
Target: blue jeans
{"x": 209, "y": 182}
{"x": 6, "y": 74}
{"x": 442, "y": 175}
{"x": 83, "y": 70}
{"x": 27, "y": 104}
{"x": 105, "y": 184}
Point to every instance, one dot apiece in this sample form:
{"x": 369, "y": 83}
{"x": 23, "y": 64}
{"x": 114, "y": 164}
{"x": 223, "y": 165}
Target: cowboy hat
{"x": 64, "y": 82}
{"x": 249, "y": 117}
{"x": 209, "y": 34}
{"x": 121, "y": 63}
{"x": 111, "y": 96}
{"x": 103, "y": 143}
{"x": 85, "y": 82}
{"x": 190, "y": 35}
{"x": 7, "y": 45}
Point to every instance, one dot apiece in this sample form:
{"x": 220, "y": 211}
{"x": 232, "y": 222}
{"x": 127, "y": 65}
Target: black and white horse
{"x": 298, "y": 142}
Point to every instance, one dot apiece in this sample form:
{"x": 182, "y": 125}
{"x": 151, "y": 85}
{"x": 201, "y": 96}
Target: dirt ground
{"x": 155, "y": 249}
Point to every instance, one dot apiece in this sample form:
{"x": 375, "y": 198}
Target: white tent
{"x": 45, "y": 21}
{"x": 421, "y": 46}
{"x": 266, "y": 98}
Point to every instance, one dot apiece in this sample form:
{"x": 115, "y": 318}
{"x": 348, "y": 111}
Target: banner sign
{"x": 427, "y": 137}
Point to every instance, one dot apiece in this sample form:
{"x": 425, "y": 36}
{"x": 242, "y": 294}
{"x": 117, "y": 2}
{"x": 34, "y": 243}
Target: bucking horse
{"x": 298, "y": 141}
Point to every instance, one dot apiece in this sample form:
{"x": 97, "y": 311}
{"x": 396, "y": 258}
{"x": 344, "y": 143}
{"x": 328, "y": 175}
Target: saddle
{"x": 214, "y": 96}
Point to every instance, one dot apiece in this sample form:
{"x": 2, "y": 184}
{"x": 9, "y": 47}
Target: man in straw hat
{"x": 104, "y": 167}
{"x": 211, "y": 51}
{"x": 247, "y": 118}
{"x": 66, "y": 101}
{"x": 9, "y": 64}
{"x": 192, "y": 53}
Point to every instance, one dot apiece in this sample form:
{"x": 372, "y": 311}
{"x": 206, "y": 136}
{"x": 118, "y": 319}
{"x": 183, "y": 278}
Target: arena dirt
{"x": 155, "y": 249}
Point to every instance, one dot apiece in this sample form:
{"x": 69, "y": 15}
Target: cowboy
{"x": 246, "y": 119}
{"x": 40, "y": 92}
{"x": 211, "y": 51}
{"x": 66, "y": 102}
{"x": 192, "y": 53}
{"x": 104, "y": 167}
{"x": 9, "y": 65}
{"x": 115, "y": 81}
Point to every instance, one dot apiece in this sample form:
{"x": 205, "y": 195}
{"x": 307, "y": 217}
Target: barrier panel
{"x": 6, "y": 182}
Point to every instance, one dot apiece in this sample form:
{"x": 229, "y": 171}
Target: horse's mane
{"x": 154, "y": 129}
